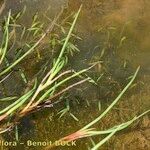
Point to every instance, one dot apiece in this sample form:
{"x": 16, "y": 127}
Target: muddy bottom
{"x": 114, "y": 32}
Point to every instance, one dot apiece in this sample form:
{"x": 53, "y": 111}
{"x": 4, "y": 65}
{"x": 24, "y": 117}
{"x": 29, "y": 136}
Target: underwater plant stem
{"x": 114, "y": 102}
{"x": 64, "y": 90}
{"x": 49, "y": 29}
{"x": 64, "y": 81}
{"x": 106, "y": 139}
{"x": 6, "y": 38}
{"x": 42, "y": 86}
{"x": 65, "y": 44}
{"x": 52, "y": 88}
{"x": 53, "y": 72}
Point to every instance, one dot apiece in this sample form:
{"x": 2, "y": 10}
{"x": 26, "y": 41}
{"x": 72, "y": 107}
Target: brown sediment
{"x": 114, "y": 13}
{"x": 2, "y": 6}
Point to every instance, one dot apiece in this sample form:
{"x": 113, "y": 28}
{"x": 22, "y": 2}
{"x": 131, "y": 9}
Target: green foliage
{"x": 4, "y": 45}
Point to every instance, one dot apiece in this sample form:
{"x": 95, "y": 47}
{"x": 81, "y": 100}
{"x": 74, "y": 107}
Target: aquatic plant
{"x": 87, "y": 131}
{"x": 5, "y": 40}
{"x": 42, "y": 93}
{"x": 31, "y": 48}
{"x": 67, "y": 110}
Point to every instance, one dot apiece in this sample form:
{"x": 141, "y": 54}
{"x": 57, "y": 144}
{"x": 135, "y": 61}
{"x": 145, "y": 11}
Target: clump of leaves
{"x": 47, "y": 89}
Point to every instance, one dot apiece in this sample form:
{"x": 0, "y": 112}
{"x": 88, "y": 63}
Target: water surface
{"x": 122, "y": 28}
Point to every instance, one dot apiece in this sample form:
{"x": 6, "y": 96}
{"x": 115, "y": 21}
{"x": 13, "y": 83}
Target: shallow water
{"x": 123, "y": 29}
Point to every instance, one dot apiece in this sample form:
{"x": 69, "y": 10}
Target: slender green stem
{"x": 113, "y": 103}
{"x": 62, "y": 82}
{"x": 106, "y": 138}
{"x": 65, "y": 44}
{"x": 31, "y": 49}
{"x": 6, "y": 38}
{"x": 58, "y": 65}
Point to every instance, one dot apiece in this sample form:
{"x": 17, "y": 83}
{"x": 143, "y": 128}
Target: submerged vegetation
{"x": 52, "y": 81}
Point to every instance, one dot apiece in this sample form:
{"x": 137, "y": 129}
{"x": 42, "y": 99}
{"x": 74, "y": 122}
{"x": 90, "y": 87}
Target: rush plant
{"x": 48, "y": 88}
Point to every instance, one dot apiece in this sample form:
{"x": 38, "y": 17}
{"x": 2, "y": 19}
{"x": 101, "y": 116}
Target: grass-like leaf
{"x": 5, "y": 41}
